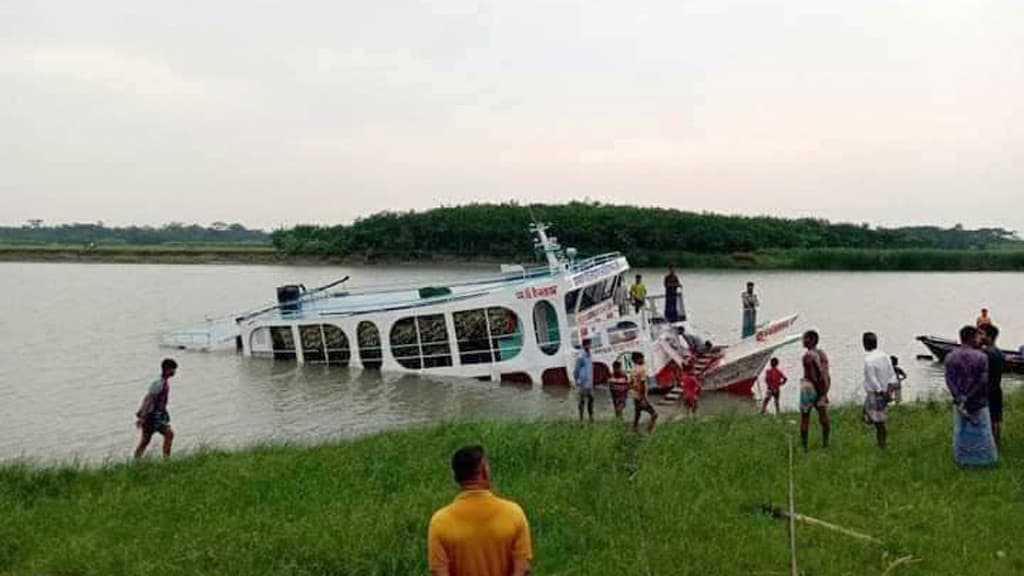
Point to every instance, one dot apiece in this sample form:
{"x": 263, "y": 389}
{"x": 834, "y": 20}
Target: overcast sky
{"x": 271, "y": 113}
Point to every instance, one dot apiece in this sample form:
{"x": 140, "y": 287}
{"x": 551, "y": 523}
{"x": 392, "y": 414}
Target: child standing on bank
{"x": 618, "y": 385}
{"x": 691, "y": 391}
{"x": 638, "y": 390}
{"x": 896, "y": 387}
{"x": 775, "y": 380}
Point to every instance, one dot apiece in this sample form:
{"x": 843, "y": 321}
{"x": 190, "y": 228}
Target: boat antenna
{"x": 533, "y": 217}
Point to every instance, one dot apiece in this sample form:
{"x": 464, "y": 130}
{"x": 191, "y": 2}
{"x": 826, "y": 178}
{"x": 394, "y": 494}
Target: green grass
{"x": 600, "y": 500}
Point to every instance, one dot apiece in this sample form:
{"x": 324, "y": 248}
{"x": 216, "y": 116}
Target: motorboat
{"x": 940, "y": 347}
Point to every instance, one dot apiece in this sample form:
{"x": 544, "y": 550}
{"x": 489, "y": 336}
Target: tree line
{"x": 500, "y": 231}
{"x": 35, "y": 232}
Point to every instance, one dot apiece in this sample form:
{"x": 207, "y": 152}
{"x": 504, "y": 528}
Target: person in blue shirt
{"x": 583, "y": 376}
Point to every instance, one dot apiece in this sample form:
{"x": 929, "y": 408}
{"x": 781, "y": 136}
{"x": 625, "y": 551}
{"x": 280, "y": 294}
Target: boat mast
{"x": 552, "y": 251}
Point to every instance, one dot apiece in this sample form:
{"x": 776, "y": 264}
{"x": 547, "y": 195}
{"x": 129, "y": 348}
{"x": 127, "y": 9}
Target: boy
{"x": 691, "y": 388}
{"x": 774, "y": 380}
{"x": 638, "y": 389}
{"x": 618, "y": 385}
{"x": 896, "y": 387}
{"x": 152, "y": 416}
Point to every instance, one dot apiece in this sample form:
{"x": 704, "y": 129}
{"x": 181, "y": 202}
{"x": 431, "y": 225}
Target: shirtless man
{"x": 814, "y": 389}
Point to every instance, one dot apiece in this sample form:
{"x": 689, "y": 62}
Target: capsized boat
{"x": 522, "y": 325}
{"x": 940, "y": 347}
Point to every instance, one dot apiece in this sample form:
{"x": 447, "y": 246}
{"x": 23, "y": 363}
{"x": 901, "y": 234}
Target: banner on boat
{"x": 537, "y": 292}
{"x": 606, "y": 269}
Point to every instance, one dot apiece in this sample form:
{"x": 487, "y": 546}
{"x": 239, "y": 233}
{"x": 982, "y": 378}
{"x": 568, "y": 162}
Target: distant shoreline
{"x": 807, "y": 260}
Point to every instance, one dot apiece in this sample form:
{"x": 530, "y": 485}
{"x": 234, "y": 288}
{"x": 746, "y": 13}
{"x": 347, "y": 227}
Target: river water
{"x": 79, "y": 343}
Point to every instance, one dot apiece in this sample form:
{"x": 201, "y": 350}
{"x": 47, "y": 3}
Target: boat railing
{"x": 593, "y": 262}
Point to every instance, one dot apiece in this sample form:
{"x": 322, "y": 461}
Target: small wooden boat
{"x": 940, "y": 347}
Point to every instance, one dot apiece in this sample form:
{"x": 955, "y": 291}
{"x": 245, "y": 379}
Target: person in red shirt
{"x": 775, "y": 380}
{"x": 618, "y": 385}
{"x": 691, "y": 389}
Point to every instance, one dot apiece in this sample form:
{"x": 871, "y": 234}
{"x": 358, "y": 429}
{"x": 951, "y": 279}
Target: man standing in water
{"x": 983, "y": 319}
{"x": 152, "y": 416}
{"x": 814, "y": 389}
{"x": 996, "y": 363}
{"x": 967, "y": 381}
{"x": 750, "y": 304}
{"x": 479, "y": 534}
{"x": 673, "y": 296}
{"x": 878, "y": 375}
{"x": 583, "y": 375}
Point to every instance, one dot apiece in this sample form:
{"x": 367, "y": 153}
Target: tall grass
{"x": 600, "y": 500}
{"x": 914, "y": 259}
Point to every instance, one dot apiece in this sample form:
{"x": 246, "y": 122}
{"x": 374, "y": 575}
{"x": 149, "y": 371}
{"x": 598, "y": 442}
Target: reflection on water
{"x": 79, "y": 344}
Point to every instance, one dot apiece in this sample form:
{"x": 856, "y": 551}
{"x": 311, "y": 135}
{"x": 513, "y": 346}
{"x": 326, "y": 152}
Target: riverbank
{"x": 601, "y": 500}
{"x": 1006, "y": 260}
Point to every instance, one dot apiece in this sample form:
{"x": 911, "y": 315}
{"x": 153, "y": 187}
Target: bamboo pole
{"x": 792, "y": 516}
{"x": 781, "y": 513}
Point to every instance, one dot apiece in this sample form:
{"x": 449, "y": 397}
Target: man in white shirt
{"x": 878, "y": 373}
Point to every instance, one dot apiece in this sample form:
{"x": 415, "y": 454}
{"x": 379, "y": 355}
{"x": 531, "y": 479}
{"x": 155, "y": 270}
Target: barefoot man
{"x": 152, "y": 416}
{"x": 814, "y": 389}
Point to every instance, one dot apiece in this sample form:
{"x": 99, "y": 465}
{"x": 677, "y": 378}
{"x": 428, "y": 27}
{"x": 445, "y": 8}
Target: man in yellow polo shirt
{"x": 478, "y": 534}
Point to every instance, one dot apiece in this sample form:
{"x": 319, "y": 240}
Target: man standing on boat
{"x": 638, "y": 294}
{"x": 478, "y": 534}
{"x": 152, "y": 416}
{"x": 750, "y": 304}
{"x": 878, "y": 375}
{"x": 583, "y": 375}
{"x": 814, "y": 389}
{"x": 967, "y": 381}
{"x": 673, "y": 297}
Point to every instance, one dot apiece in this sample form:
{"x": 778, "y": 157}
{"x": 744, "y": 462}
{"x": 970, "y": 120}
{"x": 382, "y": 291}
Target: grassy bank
{"x": 144, "y": 254}
{"x": 600, "y": 500}
{"x": 814, "y": 259}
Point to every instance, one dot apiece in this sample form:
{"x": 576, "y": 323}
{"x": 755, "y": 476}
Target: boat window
{"x": 312, "y": 338}
{"x": 471, "y": 336}
{"x": 405, "y": 346}
{"x": 260, "y": 344}
{"x": 545, "y": 327}
{"x": 421, "y": 342}
{"x": 487, "y": 335}
{"x": 283, "y": 342}
{"x": 609, "y": 288}
{"x": 570, "y": 302}
{"x": 336, "y": 343}
{"x": 370, "y": 353}
{"x": 434, "y": 346}
{"x": 505, "y": 332}
{"x": 591, "y": 295}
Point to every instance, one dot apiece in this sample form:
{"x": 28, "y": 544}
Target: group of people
{"x": 974, "y": 375}
{"x": 620, "y": 385}
{"x": 675, "y": 309}
{"x": 882, "y": 383}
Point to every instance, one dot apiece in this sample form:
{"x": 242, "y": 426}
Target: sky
{"x": 276, "y": 113}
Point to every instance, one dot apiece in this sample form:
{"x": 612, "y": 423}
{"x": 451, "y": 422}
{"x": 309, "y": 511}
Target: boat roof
{"x": 383, "y": 298}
